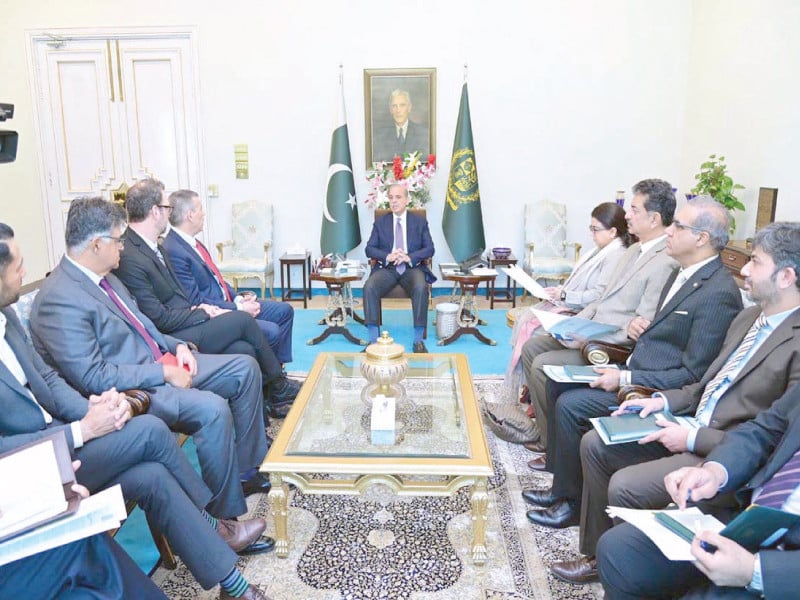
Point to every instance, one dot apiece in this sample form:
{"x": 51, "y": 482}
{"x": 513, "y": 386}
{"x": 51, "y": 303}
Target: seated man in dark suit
{"x": 759, "y": 360}
{"x": 399, "y": 243}
{"x": 754, "y": 462}
{"x": 202, "y": 282}
{"x": 147, "y": 275}
{"x": 94, "y": 567}
{"x": 140, "y": 454}
{"x": 86, "y": 324}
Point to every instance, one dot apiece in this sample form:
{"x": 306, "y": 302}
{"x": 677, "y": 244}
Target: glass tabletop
{"x": 430, "y": 420}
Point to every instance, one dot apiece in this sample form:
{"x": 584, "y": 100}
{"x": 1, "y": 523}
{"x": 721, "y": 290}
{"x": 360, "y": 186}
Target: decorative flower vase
{"x": 690, "y": 197}
{"x": 384, "y": 368}
{"x": 620, "y": 197}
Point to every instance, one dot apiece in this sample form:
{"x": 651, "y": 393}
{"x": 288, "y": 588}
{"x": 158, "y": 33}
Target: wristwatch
{"x": 563, "y": 295}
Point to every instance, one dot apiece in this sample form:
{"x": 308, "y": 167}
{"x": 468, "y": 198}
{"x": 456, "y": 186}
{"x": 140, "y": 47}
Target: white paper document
{"x": 529, "y": 283}
{"x": 673, "y": 546}
{"x": 103, "y": 511}
{"x": 482, "y": 271}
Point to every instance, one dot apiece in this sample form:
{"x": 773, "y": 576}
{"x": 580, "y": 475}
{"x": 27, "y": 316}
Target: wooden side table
{"x": 734, "y": 256}
{"x": 467, "y": 318}
{"x": 509, "y": 294}
{"x": 287, "y": 261}
{"x": 340, "y": 306}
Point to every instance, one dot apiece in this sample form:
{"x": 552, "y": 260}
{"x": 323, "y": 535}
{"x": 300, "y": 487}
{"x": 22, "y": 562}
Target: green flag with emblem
{"x": 463, "y": 222}
{"x": 340, "y": 230}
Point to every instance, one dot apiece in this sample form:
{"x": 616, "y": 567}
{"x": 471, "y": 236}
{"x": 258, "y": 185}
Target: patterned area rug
{"x": 378, "y": 545}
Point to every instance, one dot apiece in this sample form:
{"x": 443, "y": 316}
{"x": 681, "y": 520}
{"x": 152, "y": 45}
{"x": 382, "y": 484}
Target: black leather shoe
{"x": 278, "y": 411}
{"x": 560, "y": 515}
{"x": 540, "y": 497}
{"x": 281, "y": 391}
{"x": 260, "y": 546}
{"x": 419, "y": 348}
{"x": 257, "y": 484}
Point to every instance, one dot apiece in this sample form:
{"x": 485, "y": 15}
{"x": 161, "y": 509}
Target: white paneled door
{"x": 113, "y": 108}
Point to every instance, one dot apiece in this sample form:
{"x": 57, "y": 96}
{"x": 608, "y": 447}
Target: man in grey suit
{"x": 697, "y": 305}
{"x": 629, "y": 301}
{"x": 85, "y": 324}
{"x": 138, "y": 453}
{"x": 403, "y": 135}
{"x": 758, "y": 362}
{"x": 755, "y": 455}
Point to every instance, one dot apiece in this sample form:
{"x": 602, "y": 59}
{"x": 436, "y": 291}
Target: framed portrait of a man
{"x": 400, "y": 113}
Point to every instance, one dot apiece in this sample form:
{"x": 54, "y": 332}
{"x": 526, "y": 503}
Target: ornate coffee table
{"x": 324, "y": 444}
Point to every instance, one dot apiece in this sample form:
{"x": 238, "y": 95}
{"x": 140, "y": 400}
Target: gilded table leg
{"x": 278, "y": 500}
{"x": 479, "y": 498}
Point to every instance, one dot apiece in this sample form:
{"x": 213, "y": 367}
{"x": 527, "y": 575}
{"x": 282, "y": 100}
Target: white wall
{"x": 570, "y": 100}
{"x": 744, "y": 99}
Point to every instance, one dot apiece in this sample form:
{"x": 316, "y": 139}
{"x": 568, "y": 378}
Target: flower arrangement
{"x": 410, "y": 170}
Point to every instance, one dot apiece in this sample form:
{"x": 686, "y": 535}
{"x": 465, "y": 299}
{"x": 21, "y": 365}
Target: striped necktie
{"x": 732, "y": 363}
{"x": 781, "y": 485}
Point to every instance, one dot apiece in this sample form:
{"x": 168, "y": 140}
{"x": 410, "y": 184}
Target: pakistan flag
{"x": 463, "y": 222}
{"x": 340, "y": 230}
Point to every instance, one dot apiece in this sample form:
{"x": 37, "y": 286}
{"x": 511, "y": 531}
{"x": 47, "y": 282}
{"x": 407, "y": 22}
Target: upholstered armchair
{"x": 546, "y": 241}
{"x": 249, "y": 251}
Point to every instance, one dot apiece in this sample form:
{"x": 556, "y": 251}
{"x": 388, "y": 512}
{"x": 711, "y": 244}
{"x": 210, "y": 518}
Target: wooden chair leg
{"x": 168, "y": 560}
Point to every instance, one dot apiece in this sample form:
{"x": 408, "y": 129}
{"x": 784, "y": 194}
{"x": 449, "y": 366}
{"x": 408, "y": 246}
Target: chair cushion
{"x": 251, "y": 226}
{"x": 549, "y": 266}
{"x": 244, "y": 266}
{"x": 23, "y": 308}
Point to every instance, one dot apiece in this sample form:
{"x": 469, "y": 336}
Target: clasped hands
{"x": 398, "y": 256}
{"x": 107, "y": 412}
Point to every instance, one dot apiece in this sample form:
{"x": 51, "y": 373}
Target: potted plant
{"x": 714, "y": 180}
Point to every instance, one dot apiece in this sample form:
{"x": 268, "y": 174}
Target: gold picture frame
{"x": 384, "y": 93}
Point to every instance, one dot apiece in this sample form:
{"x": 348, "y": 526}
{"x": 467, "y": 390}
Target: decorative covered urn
{"x": 384, "y": 368}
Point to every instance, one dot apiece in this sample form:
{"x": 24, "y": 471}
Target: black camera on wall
{"x": 8, "y": 139}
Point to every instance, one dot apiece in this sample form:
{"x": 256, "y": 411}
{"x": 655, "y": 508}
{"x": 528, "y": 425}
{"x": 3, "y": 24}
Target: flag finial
{"x": 466, "y": 68}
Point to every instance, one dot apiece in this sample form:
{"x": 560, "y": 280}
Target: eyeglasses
{"x": 594, "y": 229}
{"x": 681, "y": 226}
{"x": 120, "y": 241}
{"x": 166, "y": 207}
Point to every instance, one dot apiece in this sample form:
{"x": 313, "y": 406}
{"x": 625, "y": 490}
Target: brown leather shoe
{"x": 539, "y": 463}
{"x": 252, "y": 593}
{"x": 535, "y": 446}
{"x": 579, "y": 572}
{"x": 240, "y": 534}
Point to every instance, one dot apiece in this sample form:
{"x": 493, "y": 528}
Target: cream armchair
{"x": 546, "y": 243}
{"x": 249, "y": 251}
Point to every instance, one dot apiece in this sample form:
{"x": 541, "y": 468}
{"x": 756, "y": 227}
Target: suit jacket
{"x": 21, "y": 421}
{"x": 591, "y": 277}
{"x": 687, "y": 332}
{"x": 634, "y": 290}
{"x": 752, "y": 453}
{"x": 418, "y": 238}
{"x": 385, "y": 145}
{"x": 770, "y": 371}
{"x": 195, "y": 277}
{"x": 155, "y": 286}
{"x": 77, "y": 329}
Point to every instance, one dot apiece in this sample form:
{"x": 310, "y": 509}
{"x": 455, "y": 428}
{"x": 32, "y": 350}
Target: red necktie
{"x": 210, "y": 264}
{"x": 137, "y": 325}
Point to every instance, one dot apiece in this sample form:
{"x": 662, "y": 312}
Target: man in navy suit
{"x": 203, "y": 283}
{"x": 138, "y": 453}
{"x": 748, "y": 458}
{"x": 399, "y": 242}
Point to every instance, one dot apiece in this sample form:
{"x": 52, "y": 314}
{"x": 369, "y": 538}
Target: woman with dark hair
{"x": 586, "y": 283}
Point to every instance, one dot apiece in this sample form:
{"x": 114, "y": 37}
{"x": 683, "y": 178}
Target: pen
{"x": 710, "y": 548}
{"x": 632, "y": 408}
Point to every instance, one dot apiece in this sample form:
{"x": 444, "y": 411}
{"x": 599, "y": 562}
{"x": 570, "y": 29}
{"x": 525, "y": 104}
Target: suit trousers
{"x": 381, "y": 281}
{"x": 234, "y": 332}
{"x": 275, "y": 321}
{"x": 629, "y": 475}
{"x": 632, "y": 567}
{"x": 538, "y": 351}
{"x": 229, "y": 434}
{"x": 95, "y": 567}
{"x": 569, "y": 421}
{"x": 152, "y": 470}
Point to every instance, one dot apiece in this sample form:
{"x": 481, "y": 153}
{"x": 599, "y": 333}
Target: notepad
{"x": 628, "y": 428}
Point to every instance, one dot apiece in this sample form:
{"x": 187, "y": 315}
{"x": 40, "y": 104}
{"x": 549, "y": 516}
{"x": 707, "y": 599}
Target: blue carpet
{"x": 134, "y": 535}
